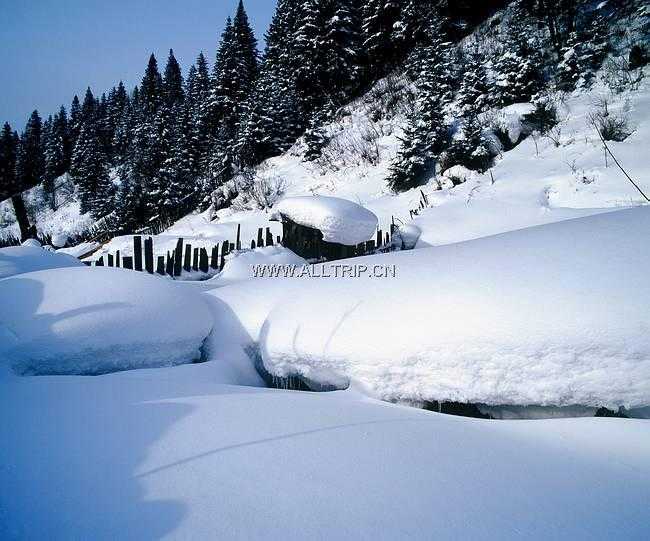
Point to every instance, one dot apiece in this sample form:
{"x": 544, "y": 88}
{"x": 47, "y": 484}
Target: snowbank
{"x": 169, "y": 454}
{"x": 239, "y": 265}
{"x": 93, "y": 321}
{"x": 340, "y": 220}
{"x": 554, "y": 315}
{"x": 21, "y": 259}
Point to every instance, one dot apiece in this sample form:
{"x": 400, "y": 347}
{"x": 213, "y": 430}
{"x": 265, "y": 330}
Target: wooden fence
{"x": 183, "y": 258}
{"x": 186, "y": 258}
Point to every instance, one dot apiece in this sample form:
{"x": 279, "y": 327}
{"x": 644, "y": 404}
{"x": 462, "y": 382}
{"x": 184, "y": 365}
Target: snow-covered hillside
{"x": 544, "y": 179}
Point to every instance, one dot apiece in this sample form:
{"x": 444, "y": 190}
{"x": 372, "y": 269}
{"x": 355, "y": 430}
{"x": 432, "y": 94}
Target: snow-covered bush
{"x": 250, "y": 189}
{"x": 390, "y": 97}
{"x": 544, "y": 116}
{"x": 612, "y": 125}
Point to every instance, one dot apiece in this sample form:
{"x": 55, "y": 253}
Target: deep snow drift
{"x": 97, "y": 320}
{"x": 20, "y": 259}
{"x": 167, "y": 453}
{"x": 554, "y": 315}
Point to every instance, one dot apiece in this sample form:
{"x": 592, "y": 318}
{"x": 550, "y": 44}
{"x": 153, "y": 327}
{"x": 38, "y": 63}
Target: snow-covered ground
{"x": 176, "y": 454}
{"x": 486, "y": 309}
{"x": 553, "y": 315}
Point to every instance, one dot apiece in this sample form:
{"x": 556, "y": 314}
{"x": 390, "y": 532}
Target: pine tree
{"x": 518, "y": 69}
{"x": 74, "y": 126}
{"x": 8, "y": 158}
{"x": 380, "y": 34}
{"x": 341, "y": 48}
{"x": 89, "y": 109}
{"x": 118, "y": 101}
{"x": 273, "y": 116}
{"x": 89, "y": 171}
{"x": 315, "y": 137}
{"x": 9, "y": 182}
{"x": 471, "y": 150}
{"x": 61, "y": 131}
{"x": 31, "y": 164}
{"x": 426, "y": 134}
{"x": 474, "y": 88}
{"x": 235, "y": 71}
{"x": 173, "y": 82}
{"x": 151, "y": 88}
{"x": 53, "y": 145}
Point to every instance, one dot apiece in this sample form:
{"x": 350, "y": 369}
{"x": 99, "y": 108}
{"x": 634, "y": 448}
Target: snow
{"x": 80, "y": 250}
{"x": 98, "y": 320}
{"x": 239, "y": 265}
{"x": 555, "y": 316}
{"x": 59, "y": 240}
{"x": 340, "y": 221}
{"x": 31, "y": 243}
{"x": 21, "y": 259}
{"x": 172, "y": 454}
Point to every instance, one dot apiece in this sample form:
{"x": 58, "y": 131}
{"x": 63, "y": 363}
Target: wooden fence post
{"x": 148, "y": 255}
{"x": 110, "y": 260}
{"x": 238, "y": 243}
{"x": 161, "y": 264}
{"x": 178, "y": 258}
{"x": 260, "y": 238}
{"x": 225, "y": 246}
{"x": 100, "y": 262}
{"x": 137, "y": 252}
{"x": 380, "y": 238}
{"x": 171, "y": 264}
{"x": 187, "y": 263}
{"x": 117, "y": 259}
{"x": 195, "y": 264}
{"x": 269, "y": 237}
{"x": 127, "y": 262}
{"x": 214, "y": 259}
{"x": 253, "y": 246}
{"x": 203, "y": 260}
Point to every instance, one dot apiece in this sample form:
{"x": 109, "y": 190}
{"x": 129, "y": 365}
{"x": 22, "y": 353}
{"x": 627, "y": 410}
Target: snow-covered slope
{"x": 170, "y": 454}
{"x": 554, "y": 315}
{"x": 544, "y": 179}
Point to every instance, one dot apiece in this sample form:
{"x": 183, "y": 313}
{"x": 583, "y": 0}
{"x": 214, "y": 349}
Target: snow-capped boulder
{"x": 31, "y": 243}
{"x": 555, "y": 315}
{"x": 239, "y": 265}
{"x": 341, "y": 221}
{"x": 21, "y": 259}
{"x": 406, "y": 237}
{"x": 458, "y": 174}
{"x": 59, "y": 240}
{"x": 98, "y": 320}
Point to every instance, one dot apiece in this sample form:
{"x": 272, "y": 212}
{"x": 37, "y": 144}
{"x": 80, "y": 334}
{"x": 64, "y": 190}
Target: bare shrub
{"x": 610, "y": 125}
{"x": 389, "y": 98}
{"x": 352, "y": 147}
{"x": 620, "y": 74}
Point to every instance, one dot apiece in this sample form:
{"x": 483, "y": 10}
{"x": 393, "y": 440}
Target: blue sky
{"x": 52, "y": 49}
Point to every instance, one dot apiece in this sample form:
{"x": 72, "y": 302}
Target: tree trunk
{"x": 26, "y": 229}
